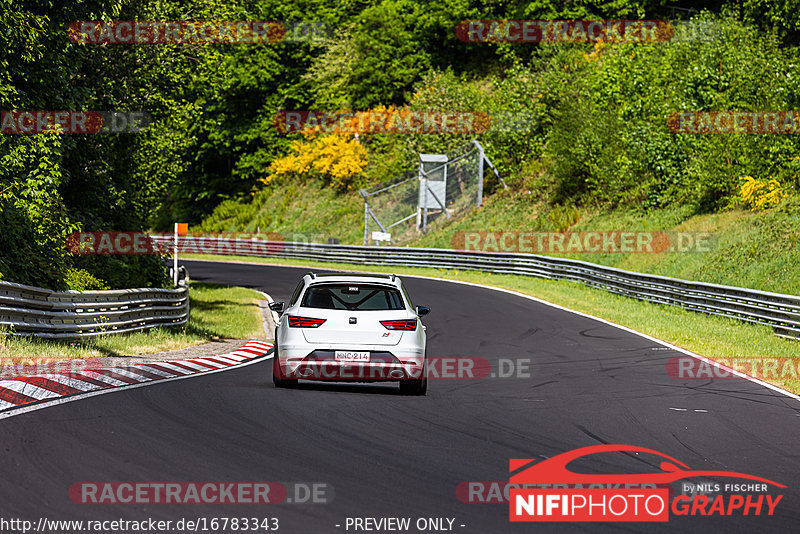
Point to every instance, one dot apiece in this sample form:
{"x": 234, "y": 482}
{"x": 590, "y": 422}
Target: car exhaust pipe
{"x": 396, "y": 373}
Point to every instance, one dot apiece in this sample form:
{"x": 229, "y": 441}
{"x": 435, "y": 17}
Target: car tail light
{"x": 410, "y": 324}
{"x": 304, "y": 322}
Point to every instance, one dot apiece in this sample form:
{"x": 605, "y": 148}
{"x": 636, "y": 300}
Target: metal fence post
{"x": 481, "y": 157}
{"x": 445, "y": 181}
{"x": 366, "y": 219}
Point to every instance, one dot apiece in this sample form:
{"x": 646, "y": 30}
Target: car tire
{"x": 277, "y": 375}
{"x": 416, "y": 386}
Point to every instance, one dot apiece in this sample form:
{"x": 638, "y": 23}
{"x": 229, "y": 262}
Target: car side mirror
{"x": 277, "y": 307}
{"x": 422, "y": 310}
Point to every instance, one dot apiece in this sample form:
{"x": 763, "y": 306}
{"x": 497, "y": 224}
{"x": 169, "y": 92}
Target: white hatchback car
{"x": 350, "y": 327}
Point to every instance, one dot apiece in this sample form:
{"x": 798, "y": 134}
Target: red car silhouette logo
{"x": 554, "y": 470}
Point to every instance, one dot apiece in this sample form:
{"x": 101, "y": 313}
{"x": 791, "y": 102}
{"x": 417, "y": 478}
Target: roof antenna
{"x": 393, "y": 277}
{"x": 312, "y": 275}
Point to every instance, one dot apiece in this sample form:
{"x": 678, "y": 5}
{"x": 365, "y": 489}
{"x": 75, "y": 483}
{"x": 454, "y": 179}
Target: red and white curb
{"x": 22, "y": 391}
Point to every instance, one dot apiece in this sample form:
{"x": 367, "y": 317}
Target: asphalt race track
{"x": 387, "y": 455}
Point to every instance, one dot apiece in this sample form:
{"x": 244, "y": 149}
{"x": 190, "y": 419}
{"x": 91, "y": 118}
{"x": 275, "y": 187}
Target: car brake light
{"x": 410, "y": 324}
{"x": 304, "y": 322}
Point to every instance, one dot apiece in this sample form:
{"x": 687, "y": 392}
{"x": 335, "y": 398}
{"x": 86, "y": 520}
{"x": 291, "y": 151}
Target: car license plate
{"x": 350, "y": 356}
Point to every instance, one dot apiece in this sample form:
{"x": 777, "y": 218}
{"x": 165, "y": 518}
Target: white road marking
{"x": 71, "y": 382}
{"x": 158, "y": 372}
{"x": 102, "y": 378}
{"x": 615, "y": 325}
{"x": 195, "y": 366}
{"x": 210, "y": 362}
{"x": 79, "y": 396}
{"x": 28, "y": 389}
{"x": 132, "y": 374}
{"x": 179, "y": 370}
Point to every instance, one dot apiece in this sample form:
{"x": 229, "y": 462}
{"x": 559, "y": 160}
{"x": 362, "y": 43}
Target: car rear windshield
{"x": 344, "y": 296}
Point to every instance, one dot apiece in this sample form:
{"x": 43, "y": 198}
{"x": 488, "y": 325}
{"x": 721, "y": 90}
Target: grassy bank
{"x": 307, "y": 208}
{"x": 713, "y": 337}
{"x": 217, "y": 312}
{"x": 759, "y": 250}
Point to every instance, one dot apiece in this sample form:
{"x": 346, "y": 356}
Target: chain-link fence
{"x": 444, "y": 186}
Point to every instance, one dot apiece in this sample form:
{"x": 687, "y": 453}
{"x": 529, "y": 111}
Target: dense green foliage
{"x": 51, "y": 185}
{"x": 598, "y": 135}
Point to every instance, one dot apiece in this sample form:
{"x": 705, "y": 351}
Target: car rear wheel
{"x": 418, "y": 386}
{"x": 277, "y": 374}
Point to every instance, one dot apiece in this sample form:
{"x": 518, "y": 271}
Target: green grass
{"x": 754, "y": 250}
{"x": 713, "y": 337}
{"x": 288, "y": 210}
{"x": 217, "y": 312}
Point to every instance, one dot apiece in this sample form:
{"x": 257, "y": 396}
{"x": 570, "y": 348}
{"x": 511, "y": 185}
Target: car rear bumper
{"x": 383, "y": 365}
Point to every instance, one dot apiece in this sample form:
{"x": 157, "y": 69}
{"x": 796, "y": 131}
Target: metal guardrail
{"x": 33, "y": 311}
{"x": 781, "y": 312}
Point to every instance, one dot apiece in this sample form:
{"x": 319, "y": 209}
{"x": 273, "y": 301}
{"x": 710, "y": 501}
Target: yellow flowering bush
{"x": 761, "y": 194}
{"x": 337, "y": 156}
{"x": 597, "y": 51}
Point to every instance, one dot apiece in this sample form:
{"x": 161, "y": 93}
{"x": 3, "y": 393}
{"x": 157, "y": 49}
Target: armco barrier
{"x": 782, "y": 312}
{"x": 33, "y": 311}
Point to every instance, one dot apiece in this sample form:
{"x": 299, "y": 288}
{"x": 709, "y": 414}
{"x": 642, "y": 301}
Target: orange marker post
{"x": 180, "y": 229}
